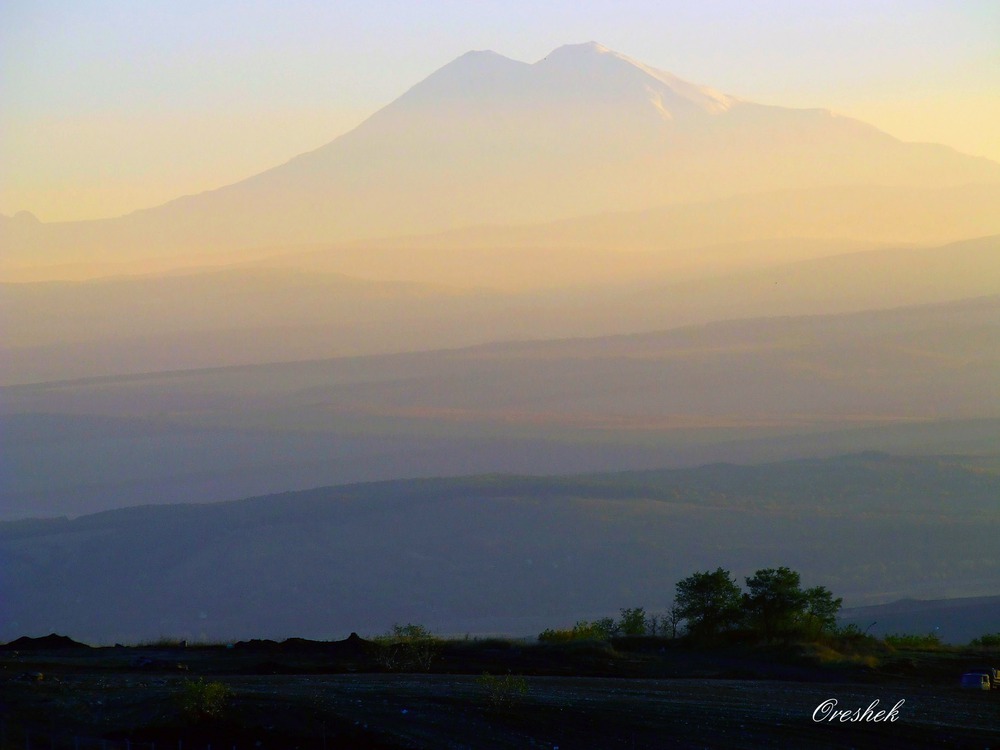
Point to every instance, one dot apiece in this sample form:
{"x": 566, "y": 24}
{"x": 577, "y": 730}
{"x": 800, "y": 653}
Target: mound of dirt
{"x": 353, "y": 645}
{"x": 51, "y": 642}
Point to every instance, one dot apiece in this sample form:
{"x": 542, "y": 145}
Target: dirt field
{"x": 114, "y": 696}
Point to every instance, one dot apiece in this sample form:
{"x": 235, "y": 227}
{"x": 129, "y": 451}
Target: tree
{"x": 709, "y": 602}
{"x": 775, "y": 602}
{"x": 632, "y": 622}
{"x": 674, "y": 618}
{"x": 987, "y": 640}
{"x": 607, "y": 626}
{"x": 822, "y": 608}
{"x": 654, "y": 624}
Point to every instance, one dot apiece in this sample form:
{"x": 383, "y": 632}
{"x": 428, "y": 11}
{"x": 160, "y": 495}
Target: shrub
{"x": 406, "y": 647}
{"x": 582, "y": 631}
{"x": 503, "y": 692}
{"x": 204, "y": 700}
{"x": 931, "y": 641}
{"x": 831, "y": 657}
{"x": 410, "y": 632}
{"x": 849, "y": 631}
{"x": 851, "y": 637}
{"x": 550, "y": 635}
{"x": 989, "y": 640}
{"x": 164, "y": 642}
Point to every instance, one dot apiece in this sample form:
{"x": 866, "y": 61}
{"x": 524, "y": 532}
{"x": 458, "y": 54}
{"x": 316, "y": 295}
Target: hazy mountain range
{"x": 577, "y": 265}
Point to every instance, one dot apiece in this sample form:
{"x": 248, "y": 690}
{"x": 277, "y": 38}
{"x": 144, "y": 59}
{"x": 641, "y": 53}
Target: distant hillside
{"x": 952, "y": 620}
{"x": 253, "y": 315}
{"x": 911, "y": 380}
{"x": 499, "y": 553}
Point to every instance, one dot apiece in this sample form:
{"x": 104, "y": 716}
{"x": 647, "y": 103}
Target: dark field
{"x": 641, "y": 693}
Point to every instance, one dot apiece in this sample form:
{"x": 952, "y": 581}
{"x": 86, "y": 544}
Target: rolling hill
{"x": 251, "y": 315}
{"x": 912, "y": 380}
{"x": 507, "y": 554}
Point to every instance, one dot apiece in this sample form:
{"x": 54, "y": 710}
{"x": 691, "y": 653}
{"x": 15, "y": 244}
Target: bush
{"x": 989, "y": 640}
{"x": 163, "y": 642}
{"x": 406, "y": 648}
{"x": 850, "y": 639}
{"x": 204, "y": 700}
{"x": 410, "y": 632}
{"x": 582, "y": 631}
{"x": 831, "y": 657}
{"x": 849, "y": 632}
{"x": 550, "y": 635}
{"x": 929, "y": 642}
{"x": 503, "y": 692}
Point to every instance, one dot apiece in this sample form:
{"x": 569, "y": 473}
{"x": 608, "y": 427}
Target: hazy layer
{"x": 247, "y": 315}
{"x": 919, "y": 379}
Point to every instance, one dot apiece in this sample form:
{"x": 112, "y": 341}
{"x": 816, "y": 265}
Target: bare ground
{"x": 109, "y": 697}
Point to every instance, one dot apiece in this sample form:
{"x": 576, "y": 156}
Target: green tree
{"x": 632, "y": 621}
{"x": 709, "y": 602}
{"x": 775, "y": 602}
{"x": 821, "y": 609}
{"x": 606, "y": 625}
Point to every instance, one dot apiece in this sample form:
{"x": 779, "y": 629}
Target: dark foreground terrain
{"x": 643, "y": 693}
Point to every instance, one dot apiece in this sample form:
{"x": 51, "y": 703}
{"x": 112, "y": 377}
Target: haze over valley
{"x": 581, "y": 323}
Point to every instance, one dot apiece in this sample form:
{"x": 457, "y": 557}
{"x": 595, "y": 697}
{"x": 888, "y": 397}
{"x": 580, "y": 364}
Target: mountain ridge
{"x": 485, "y": 141}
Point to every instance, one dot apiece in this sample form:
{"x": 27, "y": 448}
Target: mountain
{"x": 908, "y": 380}
{"x": 499, "y": 553}
{"x": 488, "y": 140}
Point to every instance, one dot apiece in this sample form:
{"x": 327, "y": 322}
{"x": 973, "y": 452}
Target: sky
{"x": 108, "y": 106}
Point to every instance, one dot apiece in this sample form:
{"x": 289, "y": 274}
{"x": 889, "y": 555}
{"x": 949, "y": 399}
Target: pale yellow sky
{"x": 105, "y": 165}
{"x": 970, "y": 124}
{"x": 110, "y": 107}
